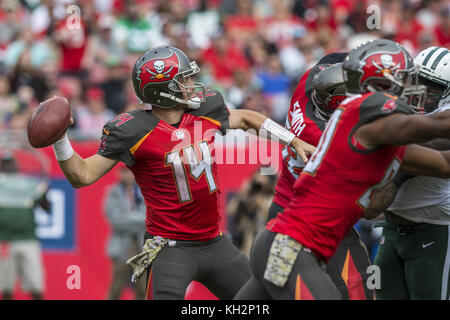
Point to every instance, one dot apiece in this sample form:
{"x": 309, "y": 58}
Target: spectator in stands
{"x": 125, "y": 210}
{"x": 275, "y": 86}
{"x": 90, "y": 119}
{"x": 9, "y": 104}
{"x": 113, "y": 85}
{"x": 223, "y": 57}
{"x": 442, "y": 30}
{"x": 71, "y": 36}
{"x": 133, "y": 32}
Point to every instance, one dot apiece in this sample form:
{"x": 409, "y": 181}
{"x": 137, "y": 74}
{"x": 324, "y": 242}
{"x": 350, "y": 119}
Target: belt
{"x": 396, "y": 219}
{"x": 186, "y": 243}
{"x": 401, "y": 225}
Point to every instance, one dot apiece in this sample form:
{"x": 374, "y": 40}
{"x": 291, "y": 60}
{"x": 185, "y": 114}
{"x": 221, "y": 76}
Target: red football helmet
{"x": 328, "y": 89}
{"x": 161, "y": 78}
{"x": 383, "y": 65}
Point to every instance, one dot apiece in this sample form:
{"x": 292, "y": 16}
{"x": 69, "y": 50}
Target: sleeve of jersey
{"x": 114, "y": 144}
{"x": 214, "y": 108}
{"x": 381, "y": 104}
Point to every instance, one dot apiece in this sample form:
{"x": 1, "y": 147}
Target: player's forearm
{"x": 431, "y": 127}
{"x": 247, "y": 119}
{"x": 441, "y": 122}
{"x": 438, "y": 144}
{"x": 421, "y": 161}
{"x": 76, "y": 171}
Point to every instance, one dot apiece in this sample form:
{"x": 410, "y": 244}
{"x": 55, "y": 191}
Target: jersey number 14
{"x": 196, "y": 166}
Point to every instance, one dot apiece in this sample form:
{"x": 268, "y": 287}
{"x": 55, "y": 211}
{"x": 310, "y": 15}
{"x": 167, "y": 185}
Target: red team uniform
{"x": 329, "y": 197}
{"x": 320, "y": 214}
{"x": 308, "y": 126}
{"x": 174, "y": 168}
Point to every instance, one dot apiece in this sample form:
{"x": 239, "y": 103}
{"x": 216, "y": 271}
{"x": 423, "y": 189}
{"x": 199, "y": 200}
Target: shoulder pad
{"x": 123, "y": 132}
{"x": 214, "y": 107}
{"x": 128, "y": 124}
{"x": 380, "y": 104}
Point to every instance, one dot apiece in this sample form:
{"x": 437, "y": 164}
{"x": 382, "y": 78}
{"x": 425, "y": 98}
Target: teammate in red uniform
{"x": 360, "y": 150}
{"x": 318, "y": 93}
{"x": 170, "y": 150}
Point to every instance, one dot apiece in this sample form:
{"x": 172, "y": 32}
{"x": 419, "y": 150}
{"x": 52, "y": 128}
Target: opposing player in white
{"x": 414, "y": 252}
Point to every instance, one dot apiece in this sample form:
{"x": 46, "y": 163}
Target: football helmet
{"x": 383, "y": 65}
{"x": 161, "y": 77}
{"x": 328, "y": 89}
{"x": 434, "y": 73}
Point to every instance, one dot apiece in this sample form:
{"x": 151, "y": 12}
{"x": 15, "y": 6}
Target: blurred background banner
{"x": 56, "y": 229}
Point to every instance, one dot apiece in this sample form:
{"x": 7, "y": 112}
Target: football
{"x": 48, "y": 122}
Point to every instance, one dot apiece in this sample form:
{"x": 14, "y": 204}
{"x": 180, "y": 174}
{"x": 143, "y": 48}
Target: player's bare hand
{"x": 71, "y": 122}
{"x": 380, "y": 200}
{"x": 303, "y": 149}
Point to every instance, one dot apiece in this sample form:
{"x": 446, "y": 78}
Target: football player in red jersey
{"x": 359, "y": 152}
{"x": 170, "y": 150}
{"x": 319, "y": 92}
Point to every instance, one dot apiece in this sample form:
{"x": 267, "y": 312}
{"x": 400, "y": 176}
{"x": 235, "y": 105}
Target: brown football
{"x": 48, "y": 122}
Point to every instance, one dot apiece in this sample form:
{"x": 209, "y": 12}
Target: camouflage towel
{"x": 282, "y": 256}
{"x": 140, "y": 262}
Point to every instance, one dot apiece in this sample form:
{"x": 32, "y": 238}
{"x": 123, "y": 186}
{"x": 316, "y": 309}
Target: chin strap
{"x": 190, "y": 103}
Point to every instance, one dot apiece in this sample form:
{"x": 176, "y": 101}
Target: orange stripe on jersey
{"x": 301, "y": 290}
{"x": 138, "y": 144}
{"x": 217, "y": 123}
{"x": 149, "y": 293}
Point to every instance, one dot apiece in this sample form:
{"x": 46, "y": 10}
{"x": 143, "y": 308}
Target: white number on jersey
{"x": 196, "y": 167}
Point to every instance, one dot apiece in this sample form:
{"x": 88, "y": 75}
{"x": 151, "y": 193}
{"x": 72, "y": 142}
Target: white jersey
{"x": 424, "y": 199}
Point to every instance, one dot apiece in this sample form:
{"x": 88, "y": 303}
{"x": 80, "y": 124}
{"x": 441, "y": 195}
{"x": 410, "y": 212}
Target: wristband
{"x": 63, "y": 149}
{"x": 284, "y": 135}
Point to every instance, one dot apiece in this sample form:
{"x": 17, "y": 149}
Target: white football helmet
{"x": 434, "y": 72}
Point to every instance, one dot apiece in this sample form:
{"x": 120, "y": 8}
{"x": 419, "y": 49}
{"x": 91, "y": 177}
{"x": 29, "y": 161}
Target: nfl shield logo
{"x": 180, "y": 134}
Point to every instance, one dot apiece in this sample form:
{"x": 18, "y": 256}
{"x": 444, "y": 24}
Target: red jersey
{"x": 308, "y": 127}
{"x": 173, "y": 167}
{"x": 335, "y": 186}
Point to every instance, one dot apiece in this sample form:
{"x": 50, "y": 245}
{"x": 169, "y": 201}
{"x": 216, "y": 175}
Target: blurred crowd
{"x": 253, "y": 51}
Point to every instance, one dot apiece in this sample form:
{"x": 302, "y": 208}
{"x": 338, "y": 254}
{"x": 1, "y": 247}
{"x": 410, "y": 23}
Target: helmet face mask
{"x": 434, "y": 74}
{"x": 161, "y": 77}
{"x": 435, "y": 93}
{"x": 193, "y": 93}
